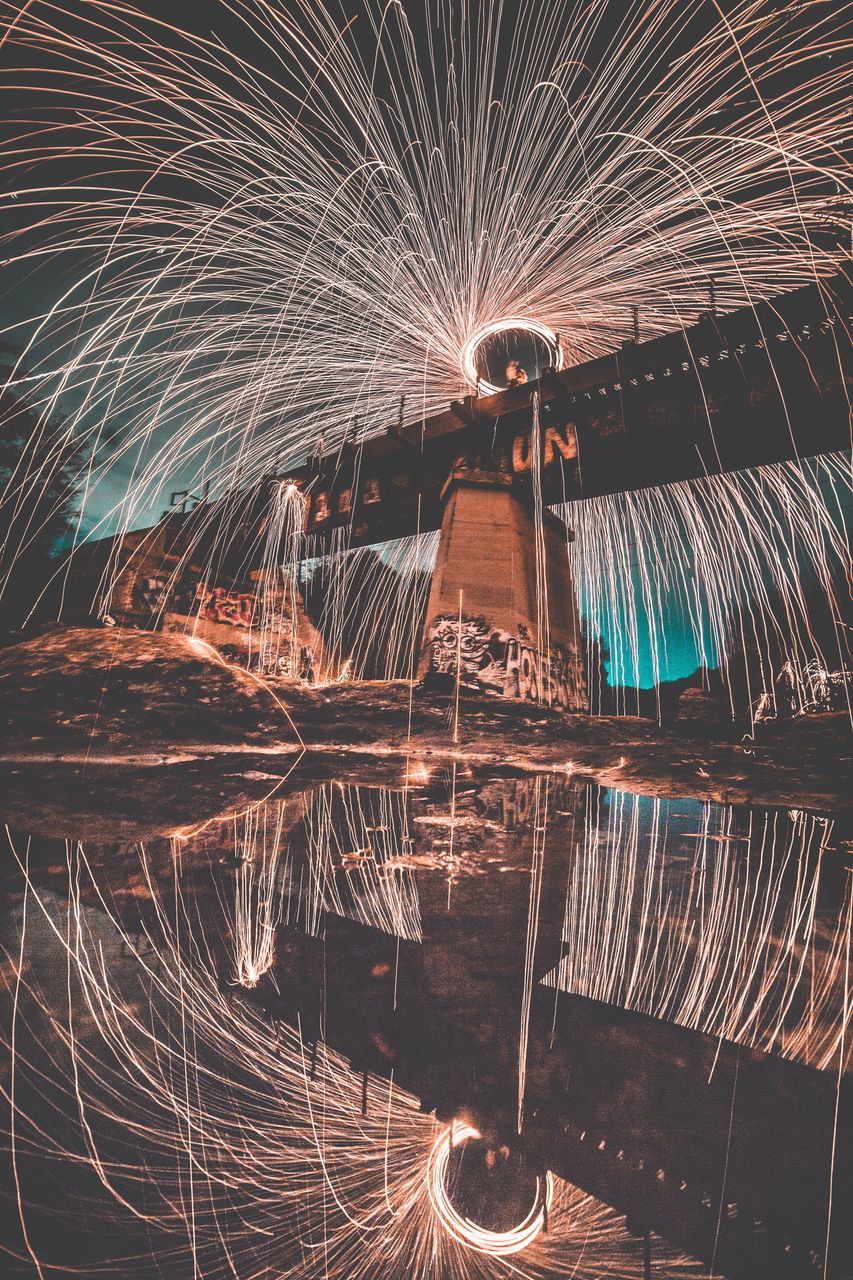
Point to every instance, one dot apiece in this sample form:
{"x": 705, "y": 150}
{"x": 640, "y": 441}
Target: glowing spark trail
{"x": 373, "y": 603}
{"x": 244, "y": 244}
{"x": 257, "y": 907}
{"x": 500, "y": 1244}
{"x": 358, "y": 837}
{"x": 737, "y": 939}
{"x": 737, "y": 560}
{"x": 278, "y": 589}
{"x": 736, "y": 556}
{"x": 219, "y": 1141}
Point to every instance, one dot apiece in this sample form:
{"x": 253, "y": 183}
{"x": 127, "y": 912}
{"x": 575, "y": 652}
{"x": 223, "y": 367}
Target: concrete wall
{"x": 487, "y": 554}
{"x": 155, "y": 587}
{"x": 293, "y": 651}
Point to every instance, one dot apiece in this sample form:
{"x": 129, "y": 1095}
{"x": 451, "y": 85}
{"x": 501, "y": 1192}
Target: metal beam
{"x": 756, "y": 386}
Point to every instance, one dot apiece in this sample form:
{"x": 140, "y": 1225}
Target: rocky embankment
{"x": 132, "y": 696}
{"x": 114, "y": 698}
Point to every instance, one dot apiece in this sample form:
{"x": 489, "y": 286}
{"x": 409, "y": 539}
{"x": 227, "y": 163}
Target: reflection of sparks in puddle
{"x": 464, "y": 820}
{"x": 498, "y": 1244}
{"x": 205, "y": 650}
{"x": 540, "y": 812}
{"x": 258, "y": 893}
{"x": 738, "y": 939}
{"x": 363, "y": 833}
{"x": 240, "y": 1149}
{"x": 417, "y": 773}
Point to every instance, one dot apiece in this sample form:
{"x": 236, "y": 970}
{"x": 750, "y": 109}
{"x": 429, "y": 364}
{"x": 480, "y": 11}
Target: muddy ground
{"x": 127, "y": 720}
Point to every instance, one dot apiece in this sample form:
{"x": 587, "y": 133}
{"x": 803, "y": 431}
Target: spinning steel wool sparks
{"x": 529, "y": 330}
{"x": 259, "y": 249}
{"x": 392, "y": 385}
{"x": 204, "y": 1090}
{"x": 499, "y": 1244}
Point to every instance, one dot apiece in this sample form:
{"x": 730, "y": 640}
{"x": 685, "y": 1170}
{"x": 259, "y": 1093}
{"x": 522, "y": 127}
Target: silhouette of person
{"x": 515, "y": 375}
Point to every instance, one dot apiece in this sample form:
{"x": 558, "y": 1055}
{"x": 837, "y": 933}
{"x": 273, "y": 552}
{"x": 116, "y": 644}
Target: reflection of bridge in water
{"x": 735, "y": 926}
{"x": 738, "y": 929}
{"x": 416, "y": 930}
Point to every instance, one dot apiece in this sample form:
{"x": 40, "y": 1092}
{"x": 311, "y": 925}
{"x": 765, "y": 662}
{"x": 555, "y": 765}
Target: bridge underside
{"x": 753, "y": 387}
{"x": 747, "y": 389}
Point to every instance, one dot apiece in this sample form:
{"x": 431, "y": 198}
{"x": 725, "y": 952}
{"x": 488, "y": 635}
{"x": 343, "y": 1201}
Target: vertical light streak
{"x": 373, "y": 602}
{"x": 458, "y": 675}
{"x": 13, "y": 1045}
{"x": 277, "y": 599}
{"x": 258, "y": 839}
{"x": 543, "y": 612}
{"x": 540, "y": 827}
{"x": 732, "y": 939}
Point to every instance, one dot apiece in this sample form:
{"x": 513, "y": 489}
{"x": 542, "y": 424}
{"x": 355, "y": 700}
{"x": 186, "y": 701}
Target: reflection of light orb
{"x": 488, "y": 351}
{"x": 497, "y": 1244}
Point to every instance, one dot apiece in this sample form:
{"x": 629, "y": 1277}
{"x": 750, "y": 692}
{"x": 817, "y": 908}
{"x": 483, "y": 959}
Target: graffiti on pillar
{"x": 233, "y": 608}
{"x": 150, "y": 595}
{"x": 497, "y": 661}
{"x": 295, "y": 662}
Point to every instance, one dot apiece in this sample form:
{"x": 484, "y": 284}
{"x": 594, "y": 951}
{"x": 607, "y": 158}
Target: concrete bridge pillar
{"x": 482, "y": 614}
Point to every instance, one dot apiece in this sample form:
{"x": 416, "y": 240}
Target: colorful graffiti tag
{"x": 496, "y": 661}
{"x": 215, "y": 604}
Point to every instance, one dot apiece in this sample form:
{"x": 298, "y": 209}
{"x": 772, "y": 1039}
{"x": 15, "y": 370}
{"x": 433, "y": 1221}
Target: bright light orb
{"x": 488, "y": 351}
{"x": 496, "y": 1244}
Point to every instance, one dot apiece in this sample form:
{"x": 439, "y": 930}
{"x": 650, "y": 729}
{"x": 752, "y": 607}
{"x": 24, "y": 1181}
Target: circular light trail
{"x": 497, "y": 1244}
{"x": 534, "y": 329}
